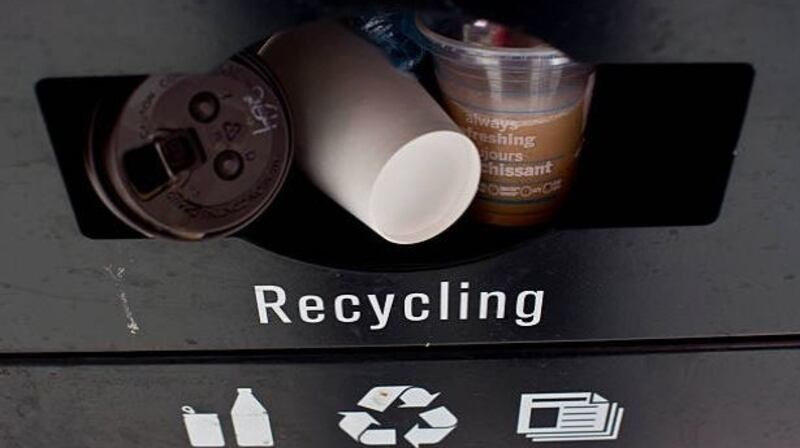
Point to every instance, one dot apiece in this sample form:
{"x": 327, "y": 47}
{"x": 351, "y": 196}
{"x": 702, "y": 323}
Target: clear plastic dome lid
{"x": 467, "y": 40}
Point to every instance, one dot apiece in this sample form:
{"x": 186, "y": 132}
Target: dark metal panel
{"x": 690, "y": 399}
{"x": 60, "y": 291}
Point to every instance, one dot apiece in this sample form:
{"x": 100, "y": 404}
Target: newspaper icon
{"x": 568, "y": 417}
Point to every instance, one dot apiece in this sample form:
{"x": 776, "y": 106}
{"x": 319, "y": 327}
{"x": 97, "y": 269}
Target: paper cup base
{"x": 425, "y": 187}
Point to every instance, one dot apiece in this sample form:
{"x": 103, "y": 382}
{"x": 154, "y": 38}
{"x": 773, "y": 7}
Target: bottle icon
{"x": 251, "y": 421}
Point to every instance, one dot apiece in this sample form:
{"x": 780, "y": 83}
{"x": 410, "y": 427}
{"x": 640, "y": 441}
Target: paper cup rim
{"x": 464, "y": 193}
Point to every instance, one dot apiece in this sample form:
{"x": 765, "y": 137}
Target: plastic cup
{"x": 524, "y": 105}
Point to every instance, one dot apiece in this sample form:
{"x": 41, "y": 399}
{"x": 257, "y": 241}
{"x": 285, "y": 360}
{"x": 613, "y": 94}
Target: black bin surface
{"x": 692, "y": 329}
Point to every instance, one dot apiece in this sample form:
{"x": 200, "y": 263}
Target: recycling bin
{"x": 659, "y": 309}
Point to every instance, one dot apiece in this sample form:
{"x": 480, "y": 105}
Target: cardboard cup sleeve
{"x": 370, "y": 137}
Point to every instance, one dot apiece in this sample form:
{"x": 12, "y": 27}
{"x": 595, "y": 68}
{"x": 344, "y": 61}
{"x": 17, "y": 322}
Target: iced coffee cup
{"x": 522, "y": 102}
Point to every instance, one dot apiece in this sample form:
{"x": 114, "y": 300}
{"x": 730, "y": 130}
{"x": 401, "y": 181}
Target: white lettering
{"x": 444, "y": 300}
{"x": 525, "y": 318}
{"x": 276, "y": 306}
{"x": 382, "y": 314}
{"x": 305, "y": 308}
{"x": 483, "y": 312}
{"x": 271, "y": 303}
{"x": 463, "y": 311}
{"x": 409, "y": 307}
{"x": 261, "y": 111}
{"x": 338, "y": 308}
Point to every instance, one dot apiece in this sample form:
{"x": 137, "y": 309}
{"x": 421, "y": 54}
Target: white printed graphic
{"x": 204, "y": 429}
{"x": 438, "y": 422}
{"x": 250, "y": 419}
{"x": 581, "y": 416}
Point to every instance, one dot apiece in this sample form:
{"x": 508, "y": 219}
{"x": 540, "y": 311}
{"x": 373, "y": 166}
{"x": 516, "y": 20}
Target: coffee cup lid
{"x": 196, "y": 156}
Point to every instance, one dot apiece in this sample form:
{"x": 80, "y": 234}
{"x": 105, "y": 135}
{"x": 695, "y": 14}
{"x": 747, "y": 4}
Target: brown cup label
{"x": 527, "y": 160}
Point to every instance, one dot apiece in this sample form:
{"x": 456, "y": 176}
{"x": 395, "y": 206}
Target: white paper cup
{"x": 370, "y": 136}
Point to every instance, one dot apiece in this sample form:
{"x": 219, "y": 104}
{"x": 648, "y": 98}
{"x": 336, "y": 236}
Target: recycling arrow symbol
{"x": 438, "y": 422}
